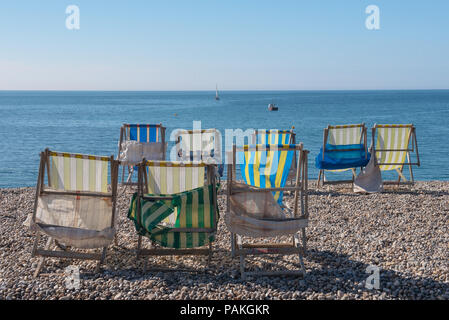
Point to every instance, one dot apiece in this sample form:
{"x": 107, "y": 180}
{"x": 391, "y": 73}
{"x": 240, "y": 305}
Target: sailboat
{"x": 216, "y": 93}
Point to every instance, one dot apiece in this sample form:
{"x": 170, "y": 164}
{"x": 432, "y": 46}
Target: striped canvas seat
{"x": 394, "y": 145}
{"x": 199, "y": 145}
{"x": 149, "y": 139}
{"x": 267, "y": 167}
{"x": 191, "y": 205}
{"x": 274, "y": 136}
{"x": 188, "y": 209}
{"x": 76, "y": 172}
{"x": 392, "y": 137}
{"x": 143, "y": 132}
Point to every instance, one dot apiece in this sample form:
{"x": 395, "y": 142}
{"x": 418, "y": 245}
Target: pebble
{"x": 405, "y": 234}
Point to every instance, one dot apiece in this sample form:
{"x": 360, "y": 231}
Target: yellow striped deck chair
{"x": 175, "y": 208}
{"x": 277, "y": 137}
{"x": 344, "y": 148}
{"x": 393, "y": 145}
{"x": 76, "y": 207}
{"x": 255, "y": 208}
{"x": 138, "y": 141}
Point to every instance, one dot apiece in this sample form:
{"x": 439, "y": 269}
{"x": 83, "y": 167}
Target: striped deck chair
{"x": 275, "y": 136}
{"x": 200, "y": 145}
{"x": 255, "y": 208}
{"x": 76, "y": 208}
{"x": 175, "y": 209}
{"x": 344, "y": 148}
{"x": 391, "y": 144}
{"x": 150, "y": 143}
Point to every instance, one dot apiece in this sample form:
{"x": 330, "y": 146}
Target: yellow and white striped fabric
{"x": 273, "y": 136}
{"x": 392, "y": 137}
{"x": 166, "y": 177}
{"x": 77, "y": 172}
{"x": 345, "y": 134}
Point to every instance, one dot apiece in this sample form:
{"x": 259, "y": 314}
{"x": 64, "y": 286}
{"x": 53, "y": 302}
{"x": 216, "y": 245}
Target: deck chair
{"x": 275, "y": 136}
{"x": 254, "y": 204}
{"x": 76, "y": 209}
{"x": 200, "y": 145}
{"x": 175, "y": 208}
{"x": 344, "y": 148}
{"x": 392, "y": 148}
{"x": 138, "y": 141}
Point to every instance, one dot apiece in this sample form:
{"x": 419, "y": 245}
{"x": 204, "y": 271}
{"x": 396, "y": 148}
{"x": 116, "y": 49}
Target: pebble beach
{"x": 404, "y": 233}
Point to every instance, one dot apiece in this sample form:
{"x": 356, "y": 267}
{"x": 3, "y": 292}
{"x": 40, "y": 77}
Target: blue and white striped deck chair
{"x": 143, "y": 133}
{"x": 344, "y": 148}
{"x": 275, "y": 136}
{"x": 267, "y": 167}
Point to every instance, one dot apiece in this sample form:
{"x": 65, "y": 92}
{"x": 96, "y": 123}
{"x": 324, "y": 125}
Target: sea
{"x": 89, "y": 121}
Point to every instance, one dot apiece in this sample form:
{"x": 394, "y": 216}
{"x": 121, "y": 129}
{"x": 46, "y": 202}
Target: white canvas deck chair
{"x": 138, "y": 141}
{"x": 175, "y": 208}
{"x": 255, "y": 208}
{"x": 76, "y": 208}
{"x": 391, "y": 144}
{"x": 344, "y": 148}
{"x": 275, "y": 136}
{"x": 200, "y": 145}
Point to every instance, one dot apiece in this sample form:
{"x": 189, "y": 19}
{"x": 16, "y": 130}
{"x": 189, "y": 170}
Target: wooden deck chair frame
{"x": 299, "y": 242}
{"x": 142, "y": 190}
{"x": 414, "y": 149}
{"x": 292, "y": 140}
{"x": 66, "y": 253}
{"x": 363, "y": 139}
{"x": 124, "y": 137}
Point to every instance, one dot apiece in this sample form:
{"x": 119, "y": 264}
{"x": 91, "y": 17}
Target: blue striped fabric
{"x": 267, "y": 168}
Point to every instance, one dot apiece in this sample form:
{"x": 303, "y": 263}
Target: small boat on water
{"x": 216, "y": 93}
{"x": 272, "y": 107}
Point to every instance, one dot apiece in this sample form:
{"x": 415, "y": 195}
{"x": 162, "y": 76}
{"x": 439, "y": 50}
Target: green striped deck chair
{"x": 147, "y": 136}
{"x": 76, "y": 207}
{"x": 393, "y": 145}
{"x": 175, "y": 208}
{"x": 255, "y": 208}
{"x": 338, "y": 137}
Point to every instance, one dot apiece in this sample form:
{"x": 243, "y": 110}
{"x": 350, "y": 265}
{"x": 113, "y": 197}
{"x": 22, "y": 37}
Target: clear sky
{"x": 241, "y": 45}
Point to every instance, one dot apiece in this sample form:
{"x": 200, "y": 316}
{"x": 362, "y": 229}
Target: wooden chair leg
{"x": 102, "y": 259}
{"x": 42, "y": 259}
{"x": 209, "y": 258}
{"x": 233, "y": 245}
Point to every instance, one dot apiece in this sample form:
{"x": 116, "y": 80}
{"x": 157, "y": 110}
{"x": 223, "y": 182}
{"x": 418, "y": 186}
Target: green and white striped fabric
{"x": 77, "y": 172}
{"x": 191, "y": 209}
{"x": 392, "y": 137}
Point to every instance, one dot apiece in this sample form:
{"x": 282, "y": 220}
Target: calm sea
{"x": 89, "y": 122}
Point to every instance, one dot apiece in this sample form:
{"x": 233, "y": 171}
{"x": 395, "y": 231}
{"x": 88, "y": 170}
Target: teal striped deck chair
{"x": 394, "y": 145}
{"x": 175, "y": 207}
{"x": 346, "y": 144}
{"x": 141, "y": 133}
{"x": 267, "y": 167}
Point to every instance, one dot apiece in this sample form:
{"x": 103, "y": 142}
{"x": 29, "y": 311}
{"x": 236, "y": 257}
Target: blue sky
{"x": 241, "y": 45}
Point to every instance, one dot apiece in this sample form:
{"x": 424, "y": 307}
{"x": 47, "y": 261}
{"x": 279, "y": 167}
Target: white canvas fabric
{"x": 370, "y": 179}
{"x": 132, "y": 152}
{"x": 257, "y": 214}
{"x": 79, "y": 221}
